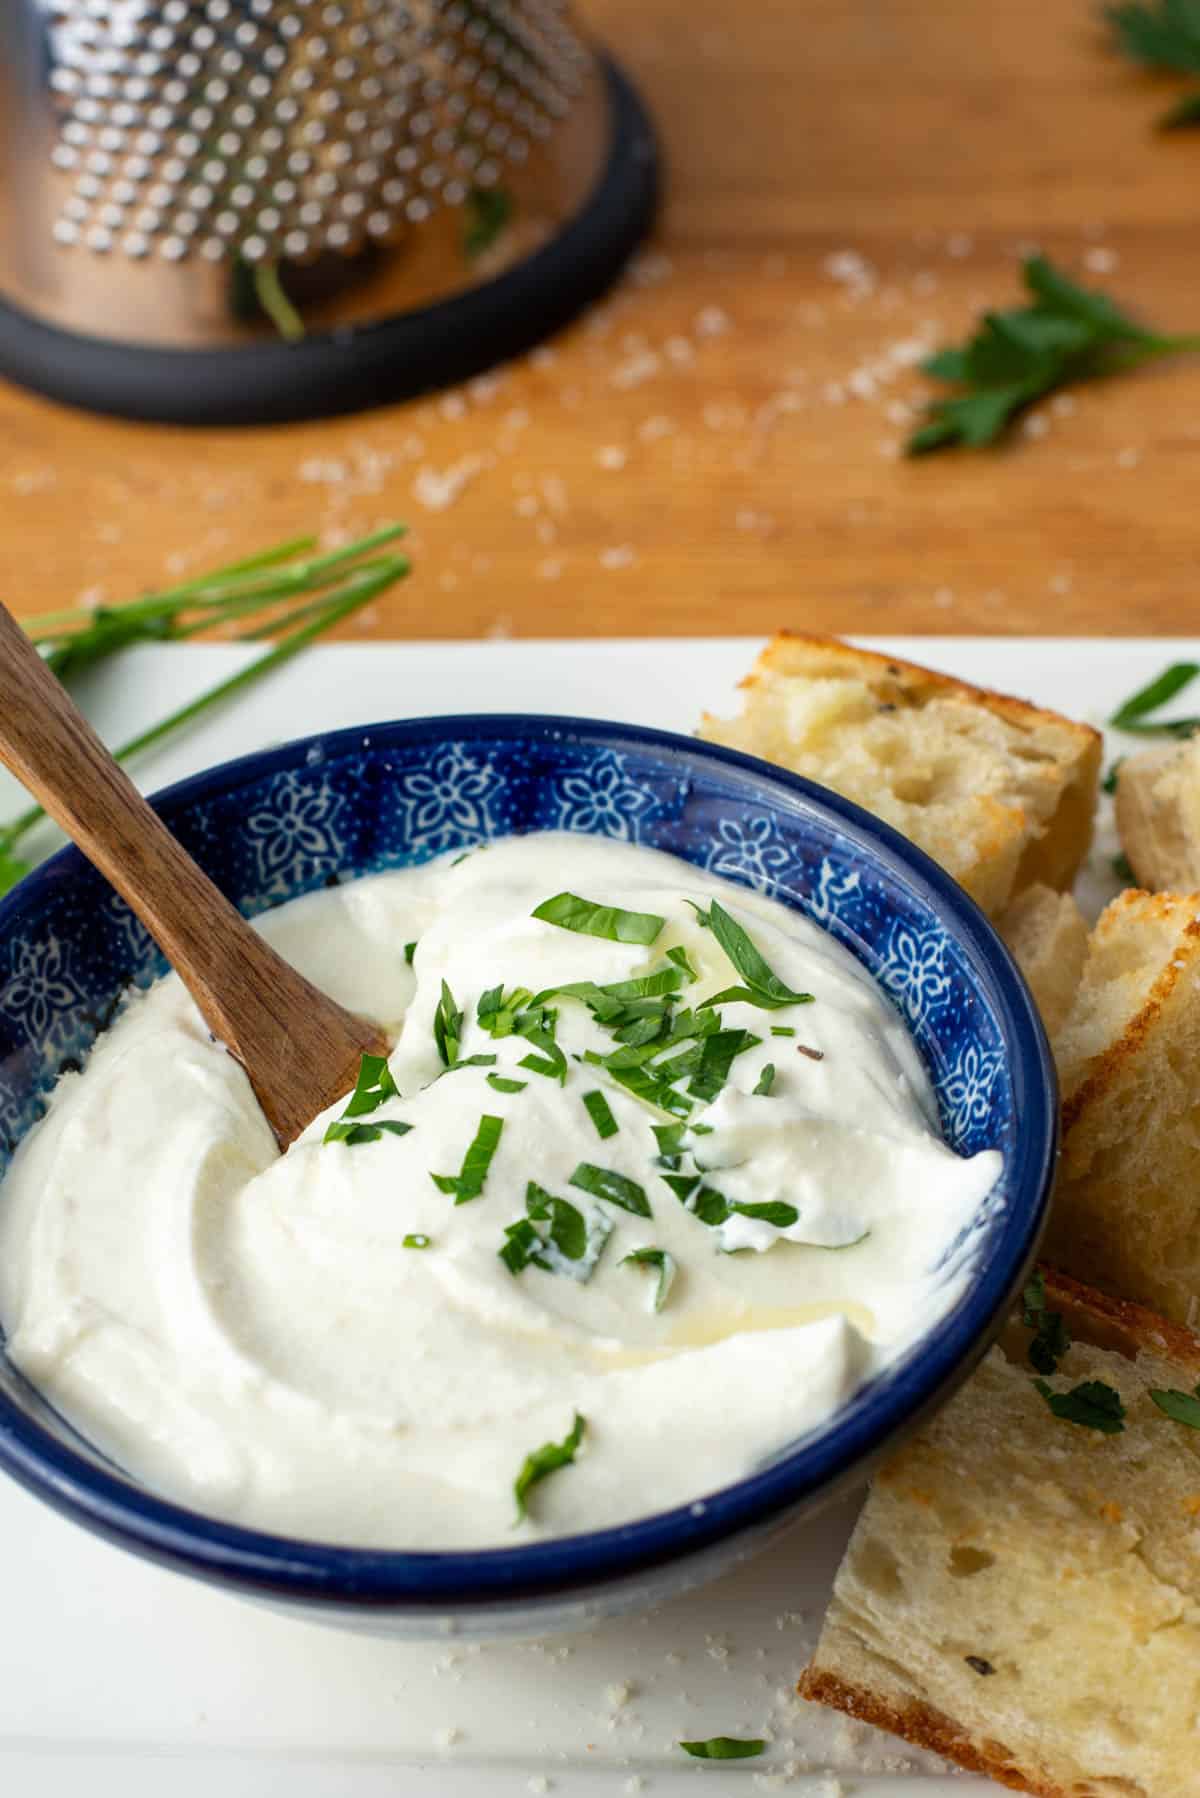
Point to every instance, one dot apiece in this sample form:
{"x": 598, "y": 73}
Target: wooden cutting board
{"x": 716, "y": 449}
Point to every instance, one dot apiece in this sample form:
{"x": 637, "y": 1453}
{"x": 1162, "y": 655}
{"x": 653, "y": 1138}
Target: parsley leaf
{"x": 766, "y": 1081}
{"x": 468, "y": 1183}
{"x": 1183, "y": 1407}
{"x": 1093, "y": 1405}
{"x": 720, "y": 1051}
{"x": 1109, "y": 783}
{"x": 600, "y": 1112}
{"x": 570, "y": 912}
{"x": 679, "y": 956}
{"x": 664, "y": 1261}
{"x": 725, "y": 1748}
{"x": 503, "y": 1084}
{"x": 1067, "y": 334}
{"x": 447, "y": 1027}
{"x": 416, "y": 1240}
{"x": 782, "y": 1030}
{"x": 604, "y": 1183}
{"x": 1162, "y": 34}
{"x": 372, "y": 1089}
{"x": 555, "y": 1236}
{"x": 772, "y": 1211}
{"x": 410, "y": 949}
{"x": 763, "y": 987}
{"x": 1052, "y": 1338}
{"x": 546, "y": 1460}
{"x": 1132, "y": 716}
{"x": 347, "y": 1131}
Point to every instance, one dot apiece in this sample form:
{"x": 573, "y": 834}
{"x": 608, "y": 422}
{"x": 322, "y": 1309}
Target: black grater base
{"x": 354, "y": 368}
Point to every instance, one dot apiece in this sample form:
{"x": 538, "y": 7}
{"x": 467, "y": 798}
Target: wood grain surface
{"x": 715, "y": 449}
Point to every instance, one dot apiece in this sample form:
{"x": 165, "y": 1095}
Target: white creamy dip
{"x": 260, "y": 1336}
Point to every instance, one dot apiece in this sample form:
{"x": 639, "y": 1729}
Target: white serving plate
{"x": 127, "y": 1681}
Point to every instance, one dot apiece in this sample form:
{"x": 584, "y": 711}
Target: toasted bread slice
{"x": 1022, "y": 1593}
{"x": 998, "y": 791}
{"x": 1048, "y": 936}
{"x": 1158, "y": 816}
{"x": 1127, "y": 1210}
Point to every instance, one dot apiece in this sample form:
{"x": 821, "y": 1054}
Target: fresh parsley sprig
{"x": 1068, "y": 334}
{"x": 263, "y": 586}
{"x": 1163, "y": 34}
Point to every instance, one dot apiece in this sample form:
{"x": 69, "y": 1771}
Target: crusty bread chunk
{"x": 999, "y": 792}
{"x": 1158, "y": 816}
{"x": 1021, "y": 1592}
{"x": 1048, "y": 936}
{"x": 1126, "y": 1212}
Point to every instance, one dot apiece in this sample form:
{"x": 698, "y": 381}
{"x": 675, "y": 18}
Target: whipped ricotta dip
{"x": 587, "y": 1247}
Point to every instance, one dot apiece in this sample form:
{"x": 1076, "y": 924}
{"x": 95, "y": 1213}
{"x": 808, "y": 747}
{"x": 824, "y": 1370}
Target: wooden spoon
{"x": 300, "y": 1050}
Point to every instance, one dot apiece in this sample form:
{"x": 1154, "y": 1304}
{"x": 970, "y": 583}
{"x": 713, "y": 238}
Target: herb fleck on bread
{"x": 1020, "y": 1593}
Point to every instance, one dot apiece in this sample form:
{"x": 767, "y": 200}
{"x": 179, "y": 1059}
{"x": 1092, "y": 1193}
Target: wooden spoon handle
{"x": 250, "y": 998}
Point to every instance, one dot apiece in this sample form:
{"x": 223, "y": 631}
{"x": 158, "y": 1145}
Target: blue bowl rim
{"x": 424, "y": 1581}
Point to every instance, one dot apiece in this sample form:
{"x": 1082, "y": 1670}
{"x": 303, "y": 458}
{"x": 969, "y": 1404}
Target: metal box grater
{"x": 238, "y": 210}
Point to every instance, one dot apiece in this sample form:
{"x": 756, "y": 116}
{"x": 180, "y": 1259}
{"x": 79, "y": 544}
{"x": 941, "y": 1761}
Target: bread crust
{"x": 917, "y": 682}
{"x": 926, "y": 1728}
{"x": 1107, "y": 1067}
{"x": 1105, "y": 1322}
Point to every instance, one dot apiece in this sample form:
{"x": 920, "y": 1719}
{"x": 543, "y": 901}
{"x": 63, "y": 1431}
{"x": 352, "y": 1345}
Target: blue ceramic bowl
{"x": 271, "y": 826}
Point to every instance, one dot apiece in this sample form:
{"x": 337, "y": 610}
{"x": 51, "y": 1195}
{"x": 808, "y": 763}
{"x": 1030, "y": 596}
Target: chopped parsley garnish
{"x": 473, "y": 1061}
{"x": 725, "y": 1748}
{"x": 773, "y": 1211}
{"x": 546, "y": 1460}
{"x": 604, "y": 1183}
{"x": 1134, "y": 718}
{"x": 1052, "y": 1338}
{"x": 1109, "y": 783}
{"x": 1093, "y": 1405}
{"x": 469, "y": 1182}
{"x": 766, "y": 1081}
{"x": 709, "y": 1205}
{"x": 1122, "y": 867}
{"x": 660, "y": 1259}
{"x": 555, "y": 1236}
{"x": 703, "y": 918}
{"x": 600, "y": 1112}
{"x": 372, "y": 1089}
{"x": 416, "y": 1240}
{"x": 447, "y": 1027}
{"x": 373, "y": 1086}
{"x": 410, "y": 949}
{"x": 497, "y": 1013}
{"x": 570, "y": 912}
{"x": 1183, "y": 1407}
{"x": 763, "y": 987}
{"x": 669, "y": 1138}
{"x": 548, "y": 1058}
{"x": 720, "y": 1051}
{"x": 503, "y": 1084}
{"x": 347, "y": 1131}
{"x": 679, "y": 956}
{"x": 651, "y": 1088}
{"x": 782, "y": 1030}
